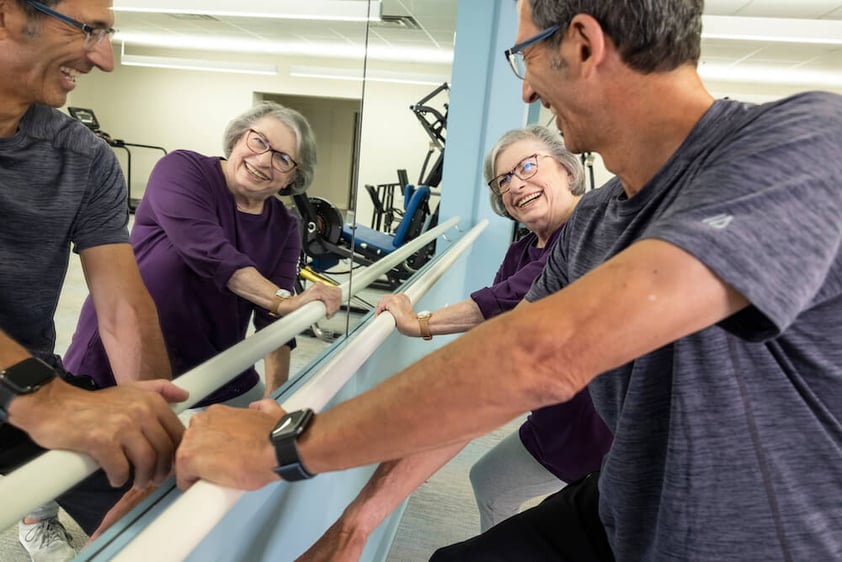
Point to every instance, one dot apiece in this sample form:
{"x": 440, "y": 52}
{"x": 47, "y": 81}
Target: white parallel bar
{"x": 167, "y": 539}
{"x": 53, "y": 473}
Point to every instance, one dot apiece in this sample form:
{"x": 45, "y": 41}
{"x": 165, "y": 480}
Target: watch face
{"x": 283, "y": 293}
{"x": 292, "y": 424}
{"x": 424, "y": 314}
{"x": 27, "y": 376}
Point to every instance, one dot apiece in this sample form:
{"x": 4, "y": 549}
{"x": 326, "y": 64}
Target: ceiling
{"x": 798, "y": 44}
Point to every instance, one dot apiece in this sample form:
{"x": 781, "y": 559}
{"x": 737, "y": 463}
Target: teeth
{"x": 71, "y": 73}
{"x": 255, "y": 172}
{"x": 524, "y": 202}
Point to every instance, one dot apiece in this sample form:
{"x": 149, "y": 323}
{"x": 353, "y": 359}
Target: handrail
{"x": 54, "y": 472}
{"x": 204, "y": 504}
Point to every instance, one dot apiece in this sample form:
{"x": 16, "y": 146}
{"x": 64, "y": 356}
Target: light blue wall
{"x": 484, "y": 103}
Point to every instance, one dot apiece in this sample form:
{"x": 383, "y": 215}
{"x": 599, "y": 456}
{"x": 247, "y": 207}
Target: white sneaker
{"x": 46, "y": 541}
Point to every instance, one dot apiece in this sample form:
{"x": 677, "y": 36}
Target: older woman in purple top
{"x": 536, "y": 181}
{"x": 216, "y": 246}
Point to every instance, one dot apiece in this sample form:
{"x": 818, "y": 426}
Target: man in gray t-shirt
{"x": 60, "y": 186}
{"x": 698, "y": 295}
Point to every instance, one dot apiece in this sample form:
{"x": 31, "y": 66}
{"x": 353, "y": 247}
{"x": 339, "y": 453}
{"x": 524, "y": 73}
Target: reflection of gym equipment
{"x": 87, "y": 117}
{"x": 327, "y": 239}
{"x": 383, "y": 200}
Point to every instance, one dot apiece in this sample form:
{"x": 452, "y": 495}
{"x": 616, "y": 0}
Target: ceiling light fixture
{"x": 776, "y": 30}
{"x": 371, "y": 75}
{"x": 334, "y": 10}
{"x": 197, "y": 64}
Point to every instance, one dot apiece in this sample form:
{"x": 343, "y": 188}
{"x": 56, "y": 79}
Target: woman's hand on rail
{"x": 124, "y": 428}
{"x": 400, "y": 307}
{"x": 330, "y": 295}
{"x": 229, "y": 447}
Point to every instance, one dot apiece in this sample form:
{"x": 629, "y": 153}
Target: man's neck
{"x": 657, "y": 115}
{"x": 10, "y": 117}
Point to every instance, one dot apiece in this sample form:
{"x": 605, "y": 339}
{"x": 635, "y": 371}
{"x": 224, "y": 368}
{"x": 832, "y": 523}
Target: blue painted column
{"x": 485, "y": 102}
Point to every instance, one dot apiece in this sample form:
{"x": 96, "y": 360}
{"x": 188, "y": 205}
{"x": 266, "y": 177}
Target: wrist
{"x": 28, "y": 410}
{"x": 283, "y": 299}
{"x": 22, "y": 379}
{"x": 424, "y": 318}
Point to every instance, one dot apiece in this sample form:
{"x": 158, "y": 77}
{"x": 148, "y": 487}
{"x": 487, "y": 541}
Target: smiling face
{"x": 49, "y": 55}
{"x": 251, "y": 177}
{"x": 543, "y": 202}
{"x": 549, "y": 78}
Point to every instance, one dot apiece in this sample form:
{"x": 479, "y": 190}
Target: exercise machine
{"x": 87, "y": 117}
{"x": 326, "y": 238}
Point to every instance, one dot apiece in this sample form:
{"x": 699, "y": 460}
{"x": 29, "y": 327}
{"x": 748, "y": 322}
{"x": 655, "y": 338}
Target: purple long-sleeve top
{"x": 189, "y": 239}
{"x": 568, "y": 439}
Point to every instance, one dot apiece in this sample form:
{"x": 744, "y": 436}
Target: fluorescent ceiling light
{"x": 334, "y": 10}
{"x": 322, "y": 49}
{"x": 199, "y": 64}
{"x": 775, "y": 75}
{"x": 372, "y": 76}
{"x": 777, "y": 30}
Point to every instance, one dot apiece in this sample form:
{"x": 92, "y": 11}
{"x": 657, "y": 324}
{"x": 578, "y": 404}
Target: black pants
{"x": 564, "y": 527}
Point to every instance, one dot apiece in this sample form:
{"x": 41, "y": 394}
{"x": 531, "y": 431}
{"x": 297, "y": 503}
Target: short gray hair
{"x": 304, "y": 138}
{"x": 554, "y": 144}
{"x": 650, "y": 35}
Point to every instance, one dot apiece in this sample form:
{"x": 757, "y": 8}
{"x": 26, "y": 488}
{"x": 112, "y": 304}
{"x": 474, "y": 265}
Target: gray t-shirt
{"x": 59, "y": 184}
{"x": 728, "y": 442}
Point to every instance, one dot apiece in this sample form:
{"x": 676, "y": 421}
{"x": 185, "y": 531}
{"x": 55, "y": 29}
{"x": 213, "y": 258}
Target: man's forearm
{"x": 539, "y": 354}
{"x": 391, "y": 484}
{"x": 132, "y": 338}
{"x": 11, "y": 352}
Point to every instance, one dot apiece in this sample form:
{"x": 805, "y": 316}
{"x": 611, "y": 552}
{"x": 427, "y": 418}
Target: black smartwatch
{"x": 283, "y": 437}
{"x": 22, "y": 378}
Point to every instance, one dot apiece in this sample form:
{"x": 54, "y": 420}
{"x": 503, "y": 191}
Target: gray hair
{"x": 554, "y": 144}
{"x": 304, "y": 138}
{"x": 33, "y": 15}
{"x": 650, "y": 35}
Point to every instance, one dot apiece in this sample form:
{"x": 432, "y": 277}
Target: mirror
{"x": 179, "y": 77}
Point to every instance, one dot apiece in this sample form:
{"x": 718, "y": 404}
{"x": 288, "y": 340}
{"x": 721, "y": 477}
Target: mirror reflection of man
{"x": 60, "y": 186}
{"x": 698, "y": 294}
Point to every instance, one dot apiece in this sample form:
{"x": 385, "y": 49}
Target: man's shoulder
{"x": 810, "y": 111}
{"x": 59, "y": 132}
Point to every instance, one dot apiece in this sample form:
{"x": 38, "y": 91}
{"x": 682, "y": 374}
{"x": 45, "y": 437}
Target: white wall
{"x": 190, "y": 109}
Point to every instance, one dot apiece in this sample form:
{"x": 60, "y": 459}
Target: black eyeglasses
{"x": 93, "y": 35}
{"x": 524, "y": 169}
{"x": 515, "y": 54}
{"x": 282, "y": 161}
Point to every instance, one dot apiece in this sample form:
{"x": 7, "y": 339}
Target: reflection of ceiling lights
{"x": 335, "y": 10}
{"x": 287, "y": 48}
{"x": 197, "y": 64}
{"x": 370, "y": 75}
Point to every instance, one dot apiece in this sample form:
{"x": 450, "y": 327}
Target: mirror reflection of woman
{"x": 216, "y": 247}
{"x": 535, "y": 181}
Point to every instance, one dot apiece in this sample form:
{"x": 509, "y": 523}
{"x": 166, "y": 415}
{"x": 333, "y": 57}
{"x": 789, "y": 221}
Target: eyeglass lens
{"x": 525, "y": 169}
{"x": 280, "y": 160}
